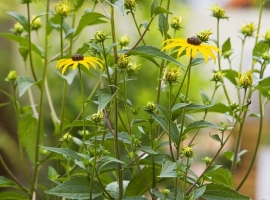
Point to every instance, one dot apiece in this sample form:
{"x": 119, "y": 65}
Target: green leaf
{"x": 76, "y": 188}
{"x": 64, "y": 151}
{"x": 216, "y": 138}
{"x": 160, "y": 10}
{"x": 198, "y": 125}
{"x": 24, "y": 83}
{"x": 147, "y": 149}
{"x": 199, "y": 192}
{"x": 205, "y": 98}
{"x": 69, "y": 77}
{"x": 122, "y": 137}
{"x": 28, "y": 135}
{"x": 162, "y": 24}
{"x": 168, "y": 169}
{"x": 23, "y": 42}
{"x": 135, "y": 198}
{"x": 104, "y": 97}
{"x": 20, "y": 18}
{"x": 221, "y": 176}
{"x": 12, "y": 195}
{"x": 260, "y": 48}
{"x": 4, "y": 182}
{"x": 113, "y": 188}
{"x": 231, "y": 75}
{"x": 264, "y": 82}
{"x": 227, "y": 46}
{"x": 154, "y": 4}
{"x": 118, "y": 5}
{"x": 88, "y": 19}
{"x": 150, "y": 51}
{"x": 105, "y": 162}
{"x": 141, "y": 182}
{"x": 221, "y": 192}
{"x": 78, "y": 4}
{"x": 197, "y": 61}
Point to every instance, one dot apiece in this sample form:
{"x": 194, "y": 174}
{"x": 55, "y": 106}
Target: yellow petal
{"x": 75, "y": 65}
{"x": 84, "y": 63}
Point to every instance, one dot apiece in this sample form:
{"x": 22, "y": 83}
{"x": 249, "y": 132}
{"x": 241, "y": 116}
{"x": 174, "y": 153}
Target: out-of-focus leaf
{"x": 221, "y": 176}
{"x": 198, "y": 125}
{"x": 227, "y": 46}
{"x": 118, "y": 5}
{"x": 260, "y": 48}
{"x": 20, "y": 18}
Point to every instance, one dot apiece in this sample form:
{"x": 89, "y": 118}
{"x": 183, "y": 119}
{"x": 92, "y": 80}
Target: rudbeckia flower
{"x": 77, "y": 59}
{"x": 192, "y": 45}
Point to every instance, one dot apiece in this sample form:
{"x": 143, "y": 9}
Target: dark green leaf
{"x": 264, "y": 82}
{"x": 228, "y": 155}
{"x": 153, "y": 7}
{"x": 160, "y": 10}
{"x": 205, "y": 98}
{"x": 168, "y": 170}
{"x": 20, "y": 18}
{"x": 104, "y": 97}
{"x": 88, "y": 19}
{"x": 75, "y": 188}
{"x": 221, "y": 176}
{"x": 199, "y": 192}
{"x": 162, "y": 24}
{"x": 105, "y": 163}
{"x": 198, "y": 125}
{"x": 197, "y": 61}
{"x": 135, "y": 198}
{"x": 141, "y": 182}
{"x": 220, "y": 192}
{"x": 216, "y": 137}
{"x": 227, "y": 46}
{"x": 12, "y": 195}
{"x": 122, "y": 137}
{"x": 4, "y": 182}
{"x": 147, "y": 150}
{"x": 28, "y": 135}
{"x": 78, "y": 4}
{"x": 64, "y": 151}
{"x": 149, "y": 51}
{"x": 231, "y": 75}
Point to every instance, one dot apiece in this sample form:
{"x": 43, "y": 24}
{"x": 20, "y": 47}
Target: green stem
{"x": 83, "y": 106}
{"x": 136, "y": 24}
{"x": 170, "y": 121}
{"x": 94, "y": 163}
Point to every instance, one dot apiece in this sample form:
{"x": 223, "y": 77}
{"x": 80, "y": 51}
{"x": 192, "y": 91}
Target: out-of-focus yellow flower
{"x": 267, "y": 36}
{"x": 62, "y": 8}
{"x": 36, "y": 23}
{"x": 77, "y": 59}
{"x": 18, "y": 28}
{"x": 124, "y": 40}
{"x": 218, "y": 12}
{"x": 245, "y": 80}
{"x": 248, "y": 29}
{"x": 192, "y": 45}
{"x": 123, "y": 61}
{"x": 218, "y": 76}
{"x": 12, "y": 76}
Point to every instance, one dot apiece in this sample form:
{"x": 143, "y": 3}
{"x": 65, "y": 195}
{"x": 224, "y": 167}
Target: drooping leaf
{"x": 168, "y": 169}
{"x": 122, "y": 137}
{"x": 198, "y": 125}
{"x": 88, "y": 19}
{"x": 64, "y": 151}
{"x": 20, "y": 18}
{"x": 23, "y": 42}
{"x": 150, "y": 51}
{"x": 76, "y": 188}
{"x": 118, "y": 5}
{"x": 141, "y": 182}
{"x": 231, "y": 75}
{"x": 221, "y": 192}
{"x": 221, "y": 176}
{"x": 28, "y": 135}
{"x": 154, "y": 4}
{"x": 24, "y": 83}
{"x": 69, "y": 77}
{"x": 160, "y": 10}
{"x": 104, "y": 97}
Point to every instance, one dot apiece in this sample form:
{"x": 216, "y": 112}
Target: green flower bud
{"x": 207, "y": 160}
{"x": 218, "y": 76}
{"x": 97, "y": 117}
{"x": 67, "y": 138}
{"x": 227, "y": 54}
{"x": 166, "y": 192}
{"x": 267, "y": 36}
{"x": 100, "y": 36}
{"x": 218, "y": 12}
{"x": 187, "y": 152}
{"x": 245, "y": 80}
{"x": 151, "y": 106}
{"x": 234, "y": 106}
{"x": 130, "y": 4}
{"x": 248, "y": 29}
{"x": 62, "y": 9}
{"x": 123, "y": 61}
{"x": 36, "y": 23}
{"x": 12, "y": 76}
{"x": 266, "y": 56}
{"x": 124, "y": 40}
{"x": 18, "y": 28}
{"x": 223, "y": 127}
{"x": 176, "y": 22}
{"x": 172, "y": 75}
{"x": 204, "y": 35}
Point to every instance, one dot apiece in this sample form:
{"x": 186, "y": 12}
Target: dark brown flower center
{"x": 77, "y": 57}
{"x": 194, "y": 41}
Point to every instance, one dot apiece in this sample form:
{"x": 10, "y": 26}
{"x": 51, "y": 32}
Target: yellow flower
{"x": 245, "y": 80}
{"x": 63, "y": 9}
{"x": 248, "y": 29}
{"x": 192, "y": 45}
{"x": 218, "y": 12}
{"x": 77, "y": 59}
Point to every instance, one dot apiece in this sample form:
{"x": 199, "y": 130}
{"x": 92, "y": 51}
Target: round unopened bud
{"x": 223, "y": 127}
{"x": 166, "y": 192}
{"x": 62, "y": 9}
{"x": 266, "y": 56}
{"x": 36, "y": 23}
{"x": 218, "y": 12}
{"x": 124, "y": 40}
{"x": 67, "y": 137}
{"x": 187, "y": 152}
{"x": 176, "y": 22}
{"x": 234, "y": 106}
{"x": 172, "y": 75}
{"x": 207, "y": 160}
{"x": 97, "y": 117}
{"x": 123, "y": 61}
{"x": 248, "y": 29}
{"x": 130, "y": 4}
{"x": 100, "y": 36}
{"x": 151, "y": 106}
{"x": 12, "y": 76}
{"x": 267, "y": 35}
{"x": 18, "y": 28}
{"x": 204, "y": 35}
{"x": 227, "y": 54}
{"x": 245, "y": 80}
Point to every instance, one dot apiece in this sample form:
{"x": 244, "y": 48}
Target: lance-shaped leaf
{"x": 118, "y": 5}
{"x": 64, "y": 151}
{"x": 199, "y": 124}
{"x": 20, "y": 18}
{"x": 104, "y": 97}
{"x": 220, "y": 176}
{"x": 168, "y": 169}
